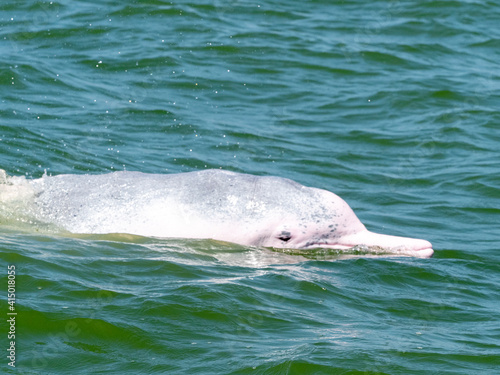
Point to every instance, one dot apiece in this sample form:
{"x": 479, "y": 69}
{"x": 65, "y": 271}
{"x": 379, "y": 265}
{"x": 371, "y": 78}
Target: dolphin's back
{"x": 164, "y": 204}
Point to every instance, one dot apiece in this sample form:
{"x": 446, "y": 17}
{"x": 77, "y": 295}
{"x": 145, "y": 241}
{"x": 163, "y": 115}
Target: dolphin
{"x": 250, "y": 210}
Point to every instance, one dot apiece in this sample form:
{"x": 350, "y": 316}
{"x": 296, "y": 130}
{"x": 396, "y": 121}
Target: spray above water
{"x": 17, "y": 198}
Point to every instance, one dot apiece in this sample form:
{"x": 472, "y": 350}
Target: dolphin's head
{"x": 336, "y": 226}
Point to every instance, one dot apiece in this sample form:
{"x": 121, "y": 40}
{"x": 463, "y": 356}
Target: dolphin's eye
{"x": 285, "y": 236}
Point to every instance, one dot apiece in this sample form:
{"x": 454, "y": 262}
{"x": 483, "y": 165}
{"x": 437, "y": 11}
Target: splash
{"x": 17, "y": 198}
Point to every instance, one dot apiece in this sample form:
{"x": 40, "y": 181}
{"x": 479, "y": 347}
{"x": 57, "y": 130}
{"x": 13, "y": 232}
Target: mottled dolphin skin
{"x": 216, "y": 204}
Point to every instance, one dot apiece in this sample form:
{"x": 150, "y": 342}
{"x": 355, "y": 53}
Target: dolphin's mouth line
{"x": 312, "y": 245}
{"x": 394, "y": 249}
{"x": 424, "y": 252}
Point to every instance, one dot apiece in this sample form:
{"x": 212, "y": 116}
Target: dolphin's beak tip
{"x": 424, "y": 249}
{"x": 425, "y": 253}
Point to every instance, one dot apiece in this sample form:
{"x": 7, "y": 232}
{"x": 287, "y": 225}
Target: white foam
{"x": 14, "y": 189}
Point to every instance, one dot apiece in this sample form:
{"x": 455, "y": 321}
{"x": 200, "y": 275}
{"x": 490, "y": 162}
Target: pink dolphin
{"x": 240, "y": 208}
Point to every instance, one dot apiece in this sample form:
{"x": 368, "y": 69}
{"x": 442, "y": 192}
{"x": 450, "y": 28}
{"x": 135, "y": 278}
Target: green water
{"x": 393, "y": 105}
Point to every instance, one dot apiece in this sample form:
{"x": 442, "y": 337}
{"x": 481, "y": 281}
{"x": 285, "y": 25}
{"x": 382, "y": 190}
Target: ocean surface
{"x": 392, "y": 105}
